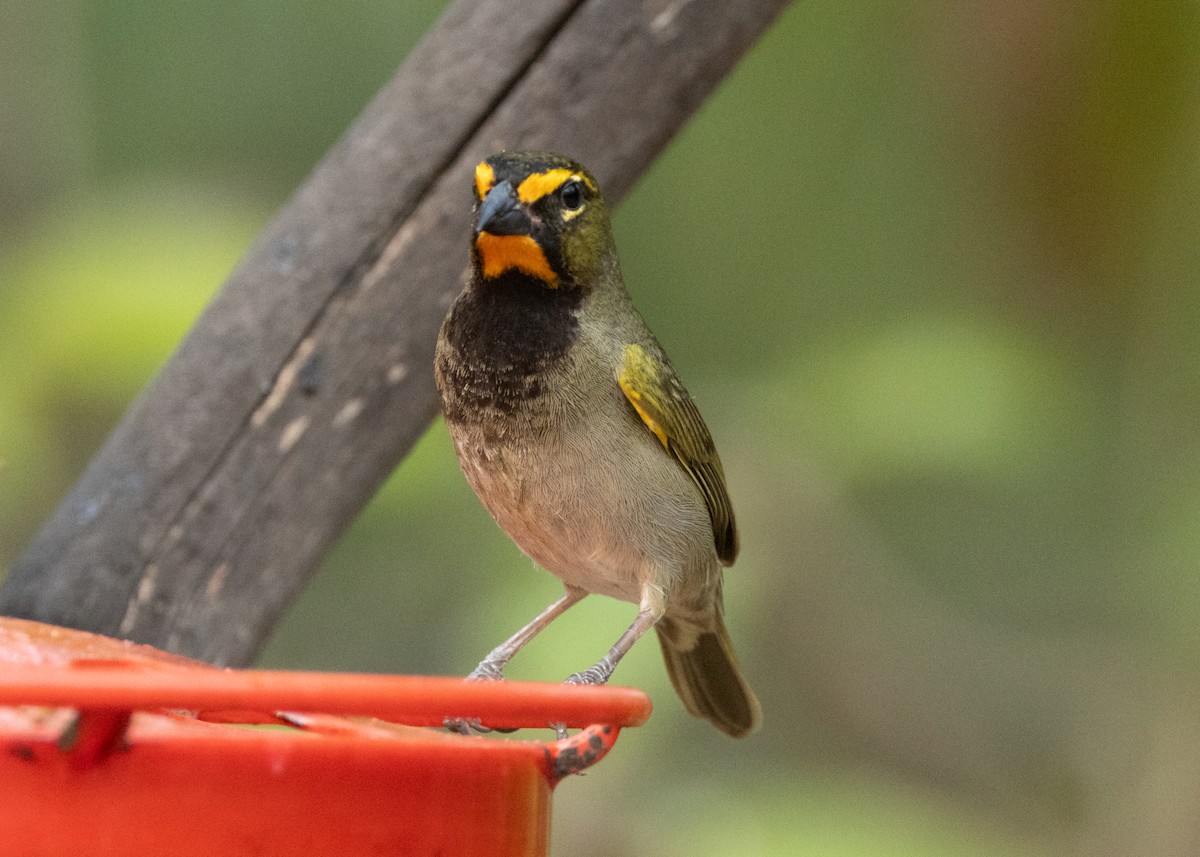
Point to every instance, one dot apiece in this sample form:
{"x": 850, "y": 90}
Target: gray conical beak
{"x": 501, "y": 212}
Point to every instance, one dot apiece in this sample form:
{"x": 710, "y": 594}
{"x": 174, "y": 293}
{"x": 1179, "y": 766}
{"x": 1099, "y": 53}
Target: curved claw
{"x": 486, "y": 671}
{"x": 464, "y": 726}
{"x": 596, "y": 674}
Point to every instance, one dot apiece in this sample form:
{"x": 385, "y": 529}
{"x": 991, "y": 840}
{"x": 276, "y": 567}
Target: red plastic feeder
{"x": 111, "y": 748}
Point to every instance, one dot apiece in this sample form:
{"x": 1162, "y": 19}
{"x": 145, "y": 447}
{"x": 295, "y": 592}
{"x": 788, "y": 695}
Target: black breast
{"x": 500, "y": 339}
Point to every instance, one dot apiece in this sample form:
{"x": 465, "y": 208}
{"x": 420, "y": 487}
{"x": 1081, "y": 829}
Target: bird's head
{"x": 540, "y": 216}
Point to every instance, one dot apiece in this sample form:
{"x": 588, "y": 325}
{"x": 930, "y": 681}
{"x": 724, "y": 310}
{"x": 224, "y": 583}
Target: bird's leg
{"x": 650, "y": 610}
{"x": 491, "y": 668}
{"x": 599, "y": 672}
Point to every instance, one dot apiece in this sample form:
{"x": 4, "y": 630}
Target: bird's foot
{"x": 486, "y": 671}
{"x": 597, "y": 673}
{"x": 464, "y": 726}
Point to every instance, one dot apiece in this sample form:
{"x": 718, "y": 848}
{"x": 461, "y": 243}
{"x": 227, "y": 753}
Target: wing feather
{"x": 659, "y": 398}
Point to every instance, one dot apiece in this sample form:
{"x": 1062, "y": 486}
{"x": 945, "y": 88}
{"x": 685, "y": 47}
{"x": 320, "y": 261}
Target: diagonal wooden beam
{"x": 309, "y": 376}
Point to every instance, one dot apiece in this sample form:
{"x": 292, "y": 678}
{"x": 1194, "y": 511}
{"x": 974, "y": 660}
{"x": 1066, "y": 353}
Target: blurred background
{"x": 929, "y": 269}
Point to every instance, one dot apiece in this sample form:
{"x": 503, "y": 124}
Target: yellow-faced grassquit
{"x": 578, "y": 436}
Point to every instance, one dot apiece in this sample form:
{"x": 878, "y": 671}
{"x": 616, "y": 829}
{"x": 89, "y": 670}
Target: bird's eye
{"x": 571, "y": 195}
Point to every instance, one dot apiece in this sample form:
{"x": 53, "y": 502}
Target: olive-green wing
{"x": 668, "y": 411}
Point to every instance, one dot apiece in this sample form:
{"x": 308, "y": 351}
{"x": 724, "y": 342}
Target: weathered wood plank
{"x": 309, "y": 376}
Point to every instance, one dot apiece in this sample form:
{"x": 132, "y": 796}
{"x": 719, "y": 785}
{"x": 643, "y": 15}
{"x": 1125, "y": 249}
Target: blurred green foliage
{"x": 930, "y": 270}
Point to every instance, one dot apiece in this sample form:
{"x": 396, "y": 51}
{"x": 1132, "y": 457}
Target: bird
{"x": 580, "y": 439}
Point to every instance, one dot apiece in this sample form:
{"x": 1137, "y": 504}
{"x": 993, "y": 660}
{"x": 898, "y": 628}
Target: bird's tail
{"x": 705, "y": 673}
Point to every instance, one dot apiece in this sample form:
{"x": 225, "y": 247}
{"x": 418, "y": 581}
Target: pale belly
{"x": 604, "y": 519}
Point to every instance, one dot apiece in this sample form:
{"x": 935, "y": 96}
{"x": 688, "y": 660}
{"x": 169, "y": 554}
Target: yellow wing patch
{"x": 664, "y": 406}
{"x": 485, "y": 177}
{"x": 643, "y": 410}
{"x": 500, "y": 253}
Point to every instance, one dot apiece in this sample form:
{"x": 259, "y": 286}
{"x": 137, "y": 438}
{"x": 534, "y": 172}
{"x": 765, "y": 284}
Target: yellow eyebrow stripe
{"x": 485, "y": 177}
{"x": 540, "y": 184}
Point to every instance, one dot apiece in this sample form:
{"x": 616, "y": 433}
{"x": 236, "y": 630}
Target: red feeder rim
{"x": 100, "y": 732}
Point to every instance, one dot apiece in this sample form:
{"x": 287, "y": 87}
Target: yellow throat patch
{"x": 500, "y": 253}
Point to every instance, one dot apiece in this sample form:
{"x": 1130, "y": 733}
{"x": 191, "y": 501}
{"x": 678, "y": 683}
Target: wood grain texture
{"x": 309, "y": 376}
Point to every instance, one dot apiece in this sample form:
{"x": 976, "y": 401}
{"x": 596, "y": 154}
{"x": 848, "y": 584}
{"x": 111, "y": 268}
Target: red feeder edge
{"x": 114, "y": 748}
